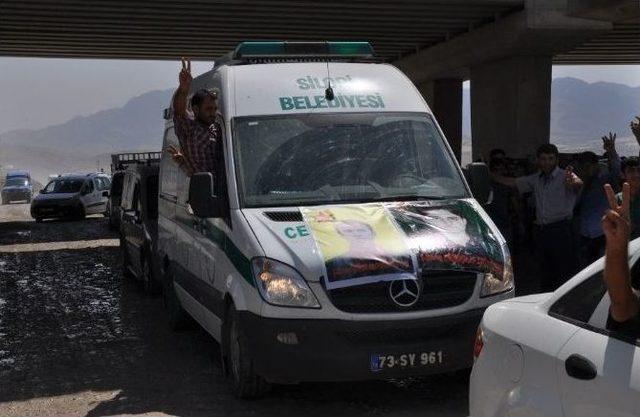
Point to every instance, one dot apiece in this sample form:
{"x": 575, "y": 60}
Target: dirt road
{"x": 76, "y": 339}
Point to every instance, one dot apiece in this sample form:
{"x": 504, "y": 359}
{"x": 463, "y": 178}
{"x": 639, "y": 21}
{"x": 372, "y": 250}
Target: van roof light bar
{"x": 327, "y": 50}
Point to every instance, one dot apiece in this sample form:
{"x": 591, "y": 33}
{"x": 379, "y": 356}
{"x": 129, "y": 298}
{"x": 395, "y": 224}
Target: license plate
{"x": 379, "y": 362}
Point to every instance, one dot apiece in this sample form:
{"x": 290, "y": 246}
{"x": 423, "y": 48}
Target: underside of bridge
{"x": 505, "y": 47}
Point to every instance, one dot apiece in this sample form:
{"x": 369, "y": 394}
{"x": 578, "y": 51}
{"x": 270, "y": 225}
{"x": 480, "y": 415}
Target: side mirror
{"x": 202, "y": 199}
{"x": 477, "y": 174}
{"x": 105, "y": 193}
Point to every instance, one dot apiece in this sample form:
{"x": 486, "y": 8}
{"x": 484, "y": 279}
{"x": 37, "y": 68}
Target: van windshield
{"x": 342, "y": 158}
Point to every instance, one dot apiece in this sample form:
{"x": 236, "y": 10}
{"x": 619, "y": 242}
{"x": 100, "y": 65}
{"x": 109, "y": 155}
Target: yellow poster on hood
{"x": 359, "y": 244}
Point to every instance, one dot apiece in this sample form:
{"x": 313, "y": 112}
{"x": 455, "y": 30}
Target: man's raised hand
{"x": 635, "y": 128}
{"x": 185, "y": 77}
{"x": 615, "y": 223}
{"x": 179, "y": 158}
{"x": 609, "y": 143}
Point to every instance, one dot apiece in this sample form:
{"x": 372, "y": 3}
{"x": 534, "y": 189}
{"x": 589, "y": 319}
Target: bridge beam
{"x": 510, "y": 105}
{"x": 444, "y": 97}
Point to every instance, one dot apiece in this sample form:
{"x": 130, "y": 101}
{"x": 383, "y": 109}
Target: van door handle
{"x": 580, "y": 368}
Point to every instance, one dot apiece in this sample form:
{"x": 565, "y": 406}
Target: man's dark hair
{"x": 630, "y": 162}
{"x": 495, "y": 152}
{"x": 495, "y": 163}
{"x": 199, "y": 96}
{"x": 547, "y": 148}
{"x": 587, "y": 157}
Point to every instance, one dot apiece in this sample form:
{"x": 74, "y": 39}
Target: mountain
{"x": 85, "y": 143}
{"x": 581, "y": 112}
{"x": 137, "y": 125}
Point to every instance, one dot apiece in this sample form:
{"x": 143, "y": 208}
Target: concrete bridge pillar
{"x": 444, "y": 97}
{"x": 510, "y": 105}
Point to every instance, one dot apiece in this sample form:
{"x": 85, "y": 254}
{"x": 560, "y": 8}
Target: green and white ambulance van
{"x": 338, "y": 239}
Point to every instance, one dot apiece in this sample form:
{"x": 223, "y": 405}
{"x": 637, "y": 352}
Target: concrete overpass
{"x": 505, "y": 47}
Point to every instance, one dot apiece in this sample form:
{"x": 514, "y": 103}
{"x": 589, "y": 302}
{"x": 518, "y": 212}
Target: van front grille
{"x": 441, "y": 289}
{"x": 284, "y": 216}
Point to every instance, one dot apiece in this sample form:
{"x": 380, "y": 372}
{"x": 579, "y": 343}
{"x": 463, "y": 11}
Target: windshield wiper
{"x": 412, "y": 197}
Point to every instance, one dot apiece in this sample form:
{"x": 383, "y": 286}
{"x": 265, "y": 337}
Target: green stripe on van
{"x": 220, "y": 238}
{"x": 235, "y": 255}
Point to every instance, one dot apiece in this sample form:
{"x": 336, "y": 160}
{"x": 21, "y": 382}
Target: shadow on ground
{"x": 69, "y": 323}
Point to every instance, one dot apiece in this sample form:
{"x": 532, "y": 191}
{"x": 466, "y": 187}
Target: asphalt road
{"x": 77, "y": 339}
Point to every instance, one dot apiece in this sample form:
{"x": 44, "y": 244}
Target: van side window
{"x": 170, "y": 171}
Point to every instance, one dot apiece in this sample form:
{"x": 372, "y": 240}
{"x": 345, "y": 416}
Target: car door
{"x": 87, "y": 197}
{"x": 100, "y": 200}
{"x": 598, "y": 370}
{"x": 601, "y": 376}
{"x": 133, "y": 231}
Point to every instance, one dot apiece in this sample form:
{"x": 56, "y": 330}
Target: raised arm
{"x": 616, "y": 227}
{"x": 635, "y": 128}
{"x": 609, "y": 146}
{"x": 571, "y": 180}
{"x": 180, "y": 96}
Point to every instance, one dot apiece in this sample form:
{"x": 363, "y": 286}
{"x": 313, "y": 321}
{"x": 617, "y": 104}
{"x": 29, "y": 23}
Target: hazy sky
{"x": 40, "y": 92}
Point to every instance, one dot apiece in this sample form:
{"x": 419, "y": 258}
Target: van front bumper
{"x": 340, "y": 350}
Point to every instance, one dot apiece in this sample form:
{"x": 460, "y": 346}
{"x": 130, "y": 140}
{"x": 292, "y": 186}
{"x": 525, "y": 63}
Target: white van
{"x": 339, "y": 239}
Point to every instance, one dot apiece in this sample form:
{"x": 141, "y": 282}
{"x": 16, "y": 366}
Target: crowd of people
{"x": 558, "y": 209}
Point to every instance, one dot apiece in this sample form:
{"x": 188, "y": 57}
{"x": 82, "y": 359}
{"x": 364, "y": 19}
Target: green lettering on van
{"x": 286, "y": 103}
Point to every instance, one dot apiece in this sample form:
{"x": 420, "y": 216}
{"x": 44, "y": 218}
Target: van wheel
{"x": 244, "y": 381}
{"x": 177, "y": 316}
{"x": 149, "y": 283}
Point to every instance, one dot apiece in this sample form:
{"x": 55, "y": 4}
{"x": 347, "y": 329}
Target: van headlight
{"x": 492, "y": 284}
{"x": 280, "y": 284}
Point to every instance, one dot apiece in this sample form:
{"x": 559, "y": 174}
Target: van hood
{"x": 356, "y": 244}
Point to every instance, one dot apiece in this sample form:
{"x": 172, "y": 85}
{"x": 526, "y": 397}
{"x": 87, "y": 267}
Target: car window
{"x": 579, "y": 304}
{"x": 89, "y": 186}
{"x": 587, "y": 305}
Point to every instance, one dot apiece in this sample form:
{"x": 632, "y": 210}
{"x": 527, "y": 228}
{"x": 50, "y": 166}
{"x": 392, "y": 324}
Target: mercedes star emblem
{"x": 405, "y": 292}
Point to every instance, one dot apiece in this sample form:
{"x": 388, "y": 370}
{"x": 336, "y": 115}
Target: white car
{"x": 552, "y": 355}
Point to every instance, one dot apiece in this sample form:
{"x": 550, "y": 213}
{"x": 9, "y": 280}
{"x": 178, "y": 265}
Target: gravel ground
{"x": 78, "y": 340}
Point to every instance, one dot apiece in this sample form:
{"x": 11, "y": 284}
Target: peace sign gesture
{"x": 185, "y": 77}
{"x": 635, "y": 128}
{"x": 609, "y": 142}
{"x": 615, "y": 223}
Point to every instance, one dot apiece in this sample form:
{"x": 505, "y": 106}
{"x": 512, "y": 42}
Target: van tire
{"x": 149, "y": 282}
{"x": 177, "y": 315}
{"x": 245, "y": 382}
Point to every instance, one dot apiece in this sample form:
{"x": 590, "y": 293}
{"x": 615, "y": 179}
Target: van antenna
{"x": 328, "y": 93}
